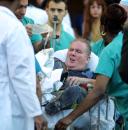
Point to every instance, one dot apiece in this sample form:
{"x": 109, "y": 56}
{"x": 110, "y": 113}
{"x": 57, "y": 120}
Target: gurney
{"x": 97, "y": 118}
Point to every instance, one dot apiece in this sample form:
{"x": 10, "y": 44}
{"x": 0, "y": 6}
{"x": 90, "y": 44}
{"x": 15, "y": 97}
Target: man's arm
{"x": 38, "y": 46}
{"x": 91, "y": 99}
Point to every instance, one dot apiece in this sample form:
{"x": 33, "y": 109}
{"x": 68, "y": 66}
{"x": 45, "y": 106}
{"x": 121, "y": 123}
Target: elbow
{"x": 99, "y": 92}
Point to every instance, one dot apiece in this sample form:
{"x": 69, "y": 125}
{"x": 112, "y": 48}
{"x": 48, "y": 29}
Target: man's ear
{"x": 66, "y": 11}
{"x": 88, "y": 59}
{"x": 46, "y": 9}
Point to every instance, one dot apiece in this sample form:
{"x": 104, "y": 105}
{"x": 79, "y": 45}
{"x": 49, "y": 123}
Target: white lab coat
{"x": 18, "y": 100}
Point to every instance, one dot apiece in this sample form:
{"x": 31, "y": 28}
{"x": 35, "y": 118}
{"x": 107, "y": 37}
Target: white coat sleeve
{"x": 21, "y": 66}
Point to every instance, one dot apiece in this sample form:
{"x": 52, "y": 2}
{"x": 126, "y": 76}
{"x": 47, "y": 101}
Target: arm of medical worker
{"x": 91, "y": 99}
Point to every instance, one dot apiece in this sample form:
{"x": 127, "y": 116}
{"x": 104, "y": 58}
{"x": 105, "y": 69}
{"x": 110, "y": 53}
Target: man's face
{"x": 21, "y": 9}
{"x": 56, "y": 9}
{"x": 77, "y": 56}
{"x": 95, "y": 10}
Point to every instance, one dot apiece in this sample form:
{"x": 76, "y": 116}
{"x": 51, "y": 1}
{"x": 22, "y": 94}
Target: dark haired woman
{"x": 111, "y": 26}
{"x": 93, "y": 12}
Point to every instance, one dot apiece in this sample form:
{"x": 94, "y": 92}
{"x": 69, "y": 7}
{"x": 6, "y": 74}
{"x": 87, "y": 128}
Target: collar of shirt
{"x": 7, "y": 11}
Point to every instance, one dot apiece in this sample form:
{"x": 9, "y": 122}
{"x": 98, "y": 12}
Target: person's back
{"x": 124, "y": 54}
{"x": 8, "y": 60}
{"x": 17, "y": 74}
{"x": 5, "y": 104}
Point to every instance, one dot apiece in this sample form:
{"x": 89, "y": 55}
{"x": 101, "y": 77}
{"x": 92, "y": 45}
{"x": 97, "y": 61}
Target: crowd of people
{"x": 103, "y": 31}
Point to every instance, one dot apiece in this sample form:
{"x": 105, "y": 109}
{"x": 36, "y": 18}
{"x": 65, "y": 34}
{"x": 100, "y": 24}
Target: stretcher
{"x": 99, "y": 117}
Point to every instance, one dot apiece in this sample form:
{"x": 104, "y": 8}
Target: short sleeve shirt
{"x": 98, "y": 47}
{"x": 108, "y": 66}
{"x": 64, "y": 41}
{"x": 35, "y": 37}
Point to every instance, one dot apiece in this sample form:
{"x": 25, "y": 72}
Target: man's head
{"x": 21, "y": 9}
{"x": 78, "y": 55}
{"x": 11, "y": 4}
{"x": 110, "y": 24}
{"x": 56, "y": 8}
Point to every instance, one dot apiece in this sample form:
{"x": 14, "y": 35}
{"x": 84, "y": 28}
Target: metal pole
{"x": 55, "y": 19}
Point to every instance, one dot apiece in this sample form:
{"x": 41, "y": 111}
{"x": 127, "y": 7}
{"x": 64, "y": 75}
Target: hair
{"x": 57, "y": 1}
{"x": 113, "y": 19}
{"x": 88, "y": 20}
{"x": 33, "y": 2}
{"x": 123, "y": 70}
{"x": 7, "y": 0}
{"x": 86, "y": 42}
{"x": 109, "y": 2}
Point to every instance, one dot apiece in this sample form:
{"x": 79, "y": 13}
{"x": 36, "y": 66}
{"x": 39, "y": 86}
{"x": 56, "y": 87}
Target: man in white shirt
{"x": 19, "y": 105}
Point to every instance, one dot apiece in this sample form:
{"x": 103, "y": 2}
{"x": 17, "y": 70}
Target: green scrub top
{"x": 64, "y": 41}
{"x": 98, "y": 47}
{"x": 108, "y": 66}
{"x": 35, "y": 37}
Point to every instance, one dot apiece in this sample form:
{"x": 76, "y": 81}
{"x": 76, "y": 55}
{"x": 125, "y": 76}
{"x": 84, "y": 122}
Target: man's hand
{"x": 41, "y": 124}
{"x": 29, "y": 29}
{"x": 72, "y": 80}
{"x": 75, "y": 80}
{"x": 63, "y": 123}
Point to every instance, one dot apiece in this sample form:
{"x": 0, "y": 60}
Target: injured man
{"x": 77, "y": 79}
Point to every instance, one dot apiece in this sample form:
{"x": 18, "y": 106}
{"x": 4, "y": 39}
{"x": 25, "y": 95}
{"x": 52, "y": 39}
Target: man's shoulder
{"x": 8, "y": 19}
{"x": 66, "y": 34}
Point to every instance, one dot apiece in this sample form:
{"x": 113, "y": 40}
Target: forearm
{"x": 87, "y": 80}
{"x": 38, "y": 89}
{"x": 38, "y": 46}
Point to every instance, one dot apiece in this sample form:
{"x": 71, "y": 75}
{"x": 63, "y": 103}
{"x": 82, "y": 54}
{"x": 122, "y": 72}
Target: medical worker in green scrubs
{"x": 58, "y": 8}
{"x": 108, "y": 79}
{"x": 36, "y": 39}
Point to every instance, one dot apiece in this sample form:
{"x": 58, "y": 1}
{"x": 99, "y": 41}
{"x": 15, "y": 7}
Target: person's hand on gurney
{"x": 73, "y": 80}
{"x": 41, "y": 123}
{"x": 63, "y": 123}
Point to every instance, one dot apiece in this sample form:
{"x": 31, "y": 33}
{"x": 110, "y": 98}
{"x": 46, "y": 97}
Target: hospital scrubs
{"x": 63, "y": 42}
{"x": 108, "y": 66}
{"x": 98, "y": 47}
{"x": 35, "y": 37}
